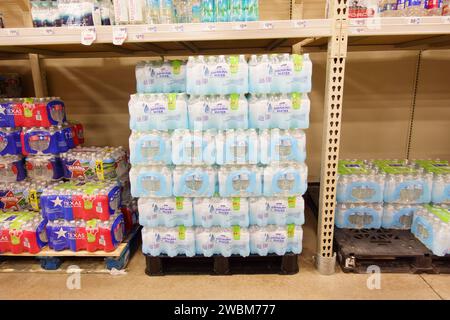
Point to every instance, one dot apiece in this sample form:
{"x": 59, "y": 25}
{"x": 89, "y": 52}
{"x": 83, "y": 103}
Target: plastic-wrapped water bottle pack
{"x": 223, "y": 241}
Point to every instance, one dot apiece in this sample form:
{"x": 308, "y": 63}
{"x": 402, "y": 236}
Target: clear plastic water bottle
{"x": 137, "y": 11}
{"x": 222, "y": 8}
{"x": 166, "y": 12}
{"x": 415, "y": 8}
{"x": 208, "y": 11}
{"x": 236, "y": 10}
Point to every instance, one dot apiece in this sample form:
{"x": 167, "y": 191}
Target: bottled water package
{"x": 237, "y": 147}
{"x": 359, "y": 182}
{"x": 359, "y": 216}
{"x": 197, "y": 181}
{"x": 22, "y": 231}
{"x": 12, "y": 169}
{"x": 158, "y": 112}
{"x": 221, "y": 112}
{"x": 405, "y": 183}
{"x": 95, "y": 163}
{"x": 10, "y": 143}
{"x": 169, "y": 241}
{"x": 222, "y": 241}
{"x": 240, "y": 181}
{"x": 441, "y": 179}
{"x": 285, "y": 179}
{"x": 46, "y": 141}
{"x": 161, "y": 77}
{"x": 217, "y": 75}
{"x": 150, "y": 147}
{"x": 284, "y": 111}
{"x": 44, "y": 167}
{"x": 282, "y": 145}
{"x": 165, "y": 212}
{"x": 276, "y": 239}
{"x": 151, "y": 181}
{"x": 19, "y": 196}
{"x": 280, "y": 73}
{"x": 81, "y": 200}
{"x": 223, "y": 212}
{"x": 432, "y": 227}
{"x": 193, "y": 147}
{"x": 91, "y": 235}
{"x": 399, "y": 216}
{"x": 277, "y": 211}
{"x": 11, "y": 115}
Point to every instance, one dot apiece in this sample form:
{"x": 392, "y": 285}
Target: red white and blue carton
{"x": 32, "y": 112}
{"x": 44, "y": 167}
{"x": 10, "y": 143}
{"x": 81, "y": 200}
{"x": 91, "y": 235}
{"x": 22, "y": 231}
{"x": 23, "y": 195}
{"x": 12, "y": 168}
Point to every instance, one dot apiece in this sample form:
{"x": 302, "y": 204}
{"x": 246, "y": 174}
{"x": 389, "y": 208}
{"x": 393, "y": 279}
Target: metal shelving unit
{"x": 337, "y": 35}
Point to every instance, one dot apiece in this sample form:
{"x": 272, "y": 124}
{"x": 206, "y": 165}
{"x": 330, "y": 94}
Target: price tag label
{"x": 119, "y": 35}
{"x": 13, "y": 32}
{"x": 210, "y": 27}
{"x": 414, "y": 20}
{"x": 178, "y": 28}
{"x": 48, "y": 31}
{"x": 88, "y": 36}
{"x": 357, "y": 30}
{"x": 240, "y": 26}
{"x": 34, "y": 200}
{"x": 139, "y": 36}
{"x": 182, "y": 232}
{"x": 267, "y": 25}
{"x": 358, "y": 22}
{"x": 152, "y": 28}
{"x": 99, "y": 169}
{"x": 299, "y": 23}
{"x": 446, "y": 20}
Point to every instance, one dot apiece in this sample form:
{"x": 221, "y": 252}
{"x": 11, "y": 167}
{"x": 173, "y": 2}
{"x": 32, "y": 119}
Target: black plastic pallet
{"x": 393, "y": 251}
{"x": 219, "y": 265}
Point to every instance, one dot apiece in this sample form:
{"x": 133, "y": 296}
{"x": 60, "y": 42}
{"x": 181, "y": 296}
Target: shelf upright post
{"x": 334, "y": 86}
{"x": 37, "y": 72}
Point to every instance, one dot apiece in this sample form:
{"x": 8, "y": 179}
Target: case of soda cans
{"x": 95, "y": 163}
{"x": 169, "y": 241}
{"x": 276, "y": 239}
{"x": 222, "y": 241}
{"x": 10, "y": 143}
{"x": 12, "y": 168}
{"x": 81, "y": 200}
{"x": 158, "y": 111}
{"x": 90, "y": 235}
{"x": 240, "y": 181}
{"x": 280, "y": 73}
{"x": 221, "y": 112}
{"x": 217, "y": 75}
{"x": 405, "y": 183}
{"x": 359, "y": 215}
{"x": 161, "y": 76}
{"x": 282, "y": 146}
{"x": 284, "y": 111}
{"x": 277, "y": 211}
{"x": 441, "y": 179}
{"x": 432, "y": 227}
{"x": 44, "y": 167}
{"x": 398, "y": 216}
{"x": 359, "y": 182}
{"x": 32, "y": 112}
{"x": 22, "y": 231}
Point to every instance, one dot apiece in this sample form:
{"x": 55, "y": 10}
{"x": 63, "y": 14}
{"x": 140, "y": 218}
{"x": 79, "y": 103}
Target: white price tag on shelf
{"x": 13, "y": 32}
{"x": 178, "y": 28}
{"x": 357, "y": 30}
{"x": 446, "y": 19}
{"x": 119, "y": 35}
{"x": 88, "y": 36}
{"x": 139, "y": 36}
{"x": 210, "y": 27}
{"x": 358, "y": 22}
{"x": 414, "y": 20}
{"x": 48, "y": 31}
{"x": 299, "y": 23}
{"x": 240, "y": 26}
{"x": 267, "y": 25}
{"x": 152, "y": 28}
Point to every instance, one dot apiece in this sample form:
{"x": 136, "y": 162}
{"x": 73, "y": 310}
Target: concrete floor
{"x": 307, "y": 284}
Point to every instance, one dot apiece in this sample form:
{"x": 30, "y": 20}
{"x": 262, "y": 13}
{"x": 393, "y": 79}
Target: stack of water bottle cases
{"x": 39, "y": 151}
{"x": 219, "y": 171}
{"x": 397, "y": 194}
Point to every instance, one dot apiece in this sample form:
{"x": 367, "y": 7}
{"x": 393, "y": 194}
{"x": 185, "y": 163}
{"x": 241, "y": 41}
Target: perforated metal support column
{"x": 337, "y": 50}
